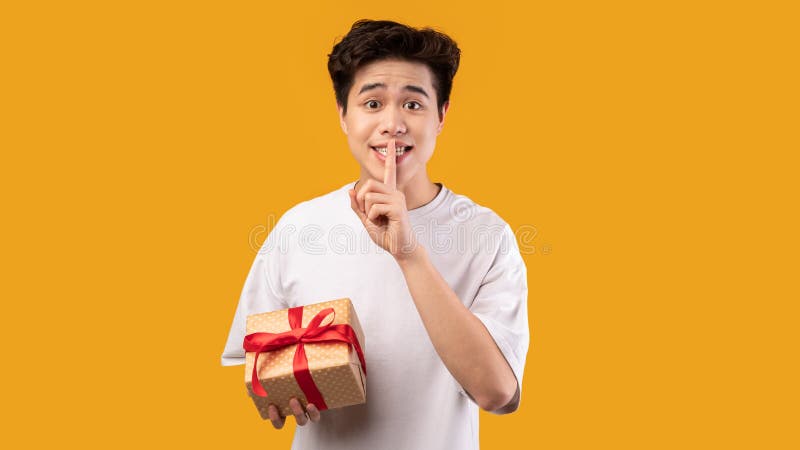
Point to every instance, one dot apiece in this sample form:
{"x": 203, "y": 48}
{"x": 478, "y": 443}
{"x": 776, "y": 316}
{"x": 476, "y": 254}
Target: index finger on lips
{"x": 390, "y": 166}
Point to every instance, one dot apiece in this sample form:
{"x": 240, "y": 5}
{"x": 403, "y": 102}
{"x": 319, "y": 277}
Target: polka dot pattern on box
{"x": 334, "y": 366}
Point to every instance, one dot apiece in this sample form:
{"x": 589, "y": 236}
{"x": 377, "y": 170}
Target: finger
{"x": 275, "y": 417}
{"x": 377, "y": 210}
{"x": 372, "y": 198}
{"x": 354, "y": 206}
{"x": 297, "y": 410}
{"x": 370, "y": 186}
{"x": 390, "y": 167}
{"x": 313, "y": 412}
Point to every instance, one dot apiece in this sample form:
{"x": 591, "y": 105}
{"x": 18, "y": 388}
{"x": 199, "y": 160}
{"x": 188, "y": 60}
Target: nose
{"x": 392, "y": 122}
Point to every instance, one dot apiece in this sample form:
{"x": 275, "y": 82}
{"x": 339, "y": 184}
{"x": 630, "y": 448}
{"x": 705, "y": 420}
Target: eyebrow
{"x": 409, "y": 87}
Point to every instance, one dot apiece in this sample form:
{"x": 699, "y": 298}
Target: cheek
{"x": 425, "y": 155}
{"x": 358, "y": 127}
{"x": 430, "y": 134}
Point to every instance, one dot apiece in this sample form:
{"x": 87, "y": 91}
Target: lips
{"x": 397, "y": 144}
{"x": 406, "y": 147}
{"x": 398, "y": 159}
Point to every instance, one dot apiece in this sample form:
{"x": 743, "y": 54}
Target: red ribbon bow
{"x": 267, "y": 342}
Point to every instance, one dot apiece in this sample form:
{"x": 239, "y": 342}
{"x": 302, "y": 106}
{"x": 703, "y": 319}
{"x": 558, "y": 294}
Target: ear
{"x": 342, "y": 123}
{"x": 445, "y": 107}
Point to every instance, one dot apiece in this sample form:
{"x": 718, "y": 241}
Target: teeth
{"x": 398, "y": 150}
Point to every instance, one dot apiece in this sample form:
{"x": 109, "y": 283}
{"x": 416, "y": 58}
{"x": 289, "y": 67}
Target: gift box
{"x": 313, "y": 352}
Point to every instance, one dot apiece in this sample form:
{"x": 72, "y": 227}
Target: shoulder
{"x": 462, "y": 209}
{"x": 318, "y": 210}
{"x": 482, "y": 229}
{"x": 306, "y": 220}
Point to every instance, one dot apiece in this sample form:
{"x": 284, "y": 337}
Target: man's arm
{"x": 459, "y": 337}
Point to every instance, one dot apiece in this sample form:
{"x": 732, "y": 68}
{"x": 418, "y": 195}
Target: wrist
{"x": 411, "y": 256}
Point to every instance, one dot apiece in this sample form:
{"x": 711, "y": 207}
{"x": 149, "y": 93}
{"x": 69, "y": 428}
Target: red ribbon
{"x": 267, "y": 342}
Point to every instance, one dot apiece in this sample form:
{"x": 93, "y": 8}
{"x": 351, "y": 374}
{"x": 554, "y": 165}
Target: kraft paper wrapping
{"x": 334, "y": 366}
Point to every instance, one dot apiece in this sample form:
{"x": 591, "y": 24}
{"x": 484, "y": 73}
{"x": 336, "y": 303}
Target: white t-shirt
{"x": 319, "y": 251}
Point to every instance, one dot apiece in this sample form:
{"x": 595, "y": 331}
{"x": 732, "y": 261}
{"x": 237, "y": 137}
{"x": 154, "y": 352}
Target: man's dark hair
{"x": 373, "y": 40}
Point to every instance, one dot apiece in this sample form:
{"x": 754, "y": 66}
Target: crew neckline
{"x": 419, "y": 211}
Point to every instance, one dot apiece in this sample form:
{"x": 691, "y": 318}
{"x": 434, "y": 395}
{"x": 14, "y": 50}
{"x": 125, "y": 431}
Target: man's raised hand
{"x": 382, "y": 210}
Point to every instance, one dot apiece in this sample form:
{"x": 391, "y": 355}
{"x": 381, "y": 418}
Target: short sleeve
{"x": 261, "y": 293}
{"x": 501, "y": 303}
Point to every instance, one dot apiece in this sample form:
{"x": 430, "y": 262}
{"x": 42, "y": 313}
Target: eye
{"x": 417, "y": 105}
{"x": 372, "y": 104}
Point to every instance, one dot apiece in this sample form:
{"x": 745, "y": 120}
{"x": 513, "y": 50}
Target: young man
{"x": 445, "y": 325}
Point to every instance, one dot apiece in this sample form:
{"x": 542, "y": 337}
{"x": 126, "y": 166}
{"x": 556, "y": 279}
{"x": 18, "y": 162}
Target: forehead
{"x": 394, "y": 73}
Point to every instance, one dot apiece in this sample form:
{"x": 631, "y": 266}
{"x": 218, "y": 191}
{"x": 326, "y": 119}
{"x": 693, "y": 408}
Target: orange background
{"x": 651, "y": 145}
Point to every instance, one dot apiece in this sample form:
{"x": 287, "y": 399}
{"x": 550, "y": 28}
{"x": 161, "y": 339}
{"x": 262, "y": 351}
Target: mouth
{"x": 401, "y": 153}
{"x": 399, "y": 150}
